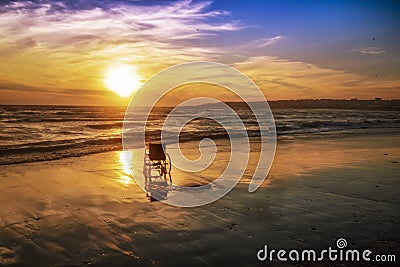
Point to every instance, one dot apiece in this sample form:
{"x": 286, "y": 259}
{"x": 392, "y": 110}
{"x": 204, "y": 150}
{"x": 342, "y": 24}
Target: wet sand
{"x": 88, "y": 210}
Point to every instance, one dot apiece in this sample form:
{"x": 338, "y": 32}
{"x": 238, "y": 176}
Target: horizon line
{"x": 279, "y": 100}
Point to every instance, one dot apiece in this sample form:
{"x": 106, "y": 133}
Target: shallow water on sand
{"x": 88, "y": 210}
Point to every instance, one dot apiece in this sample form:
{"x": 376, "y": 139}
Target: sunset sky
{"x": 71, "y": 52}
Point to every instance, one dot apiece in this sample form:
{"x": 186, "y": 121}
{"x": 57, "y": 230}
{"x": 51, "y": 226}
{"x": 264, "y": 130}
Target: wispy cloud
{"x": 372, "y": 50}
{"x": 265, "y": 41}
{"x": 285, "y": 79}
{"x": 53, "y": 25}
{"x": 61, "y": 48}
{"x": 42, "y": 39}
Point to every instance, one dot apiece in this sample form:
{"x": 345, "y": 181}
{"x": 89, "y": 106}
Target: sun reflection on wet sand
{"x": 125, "y": 158}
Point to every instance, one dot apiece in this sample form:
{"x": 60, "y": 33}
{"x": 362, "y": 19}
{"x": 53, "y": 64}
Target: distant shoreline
{"x": 355, "y": 104}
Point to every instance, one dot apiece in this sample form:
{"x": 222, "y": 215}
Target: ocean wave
{"x": 45, "y": 119}
{"x": 46, "y": 133}
{"x": 52, "y": 150}
{"x": 105, "y": 126}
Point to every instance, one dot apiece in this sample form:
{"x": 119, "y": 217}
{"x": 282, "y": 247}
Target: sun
{"x": 122, "y": 79}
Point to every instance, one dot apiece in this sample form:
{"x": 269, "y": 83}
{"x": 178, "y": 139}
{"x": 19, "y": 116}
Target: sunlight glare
{"x": 125, "y": 158}
{"x": 122, "y": 79}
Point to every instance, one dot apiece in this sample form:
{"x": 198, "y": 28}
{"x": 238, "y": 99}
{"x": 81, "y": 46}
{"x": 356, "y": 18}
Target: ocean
{"x": 41, "y": 133}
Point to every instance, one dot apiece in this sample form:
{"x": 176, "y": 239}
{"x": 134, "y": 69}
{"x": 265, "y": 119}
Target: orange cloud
{"x": 284, "y": 79}
{"x": 46, "y": 46}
